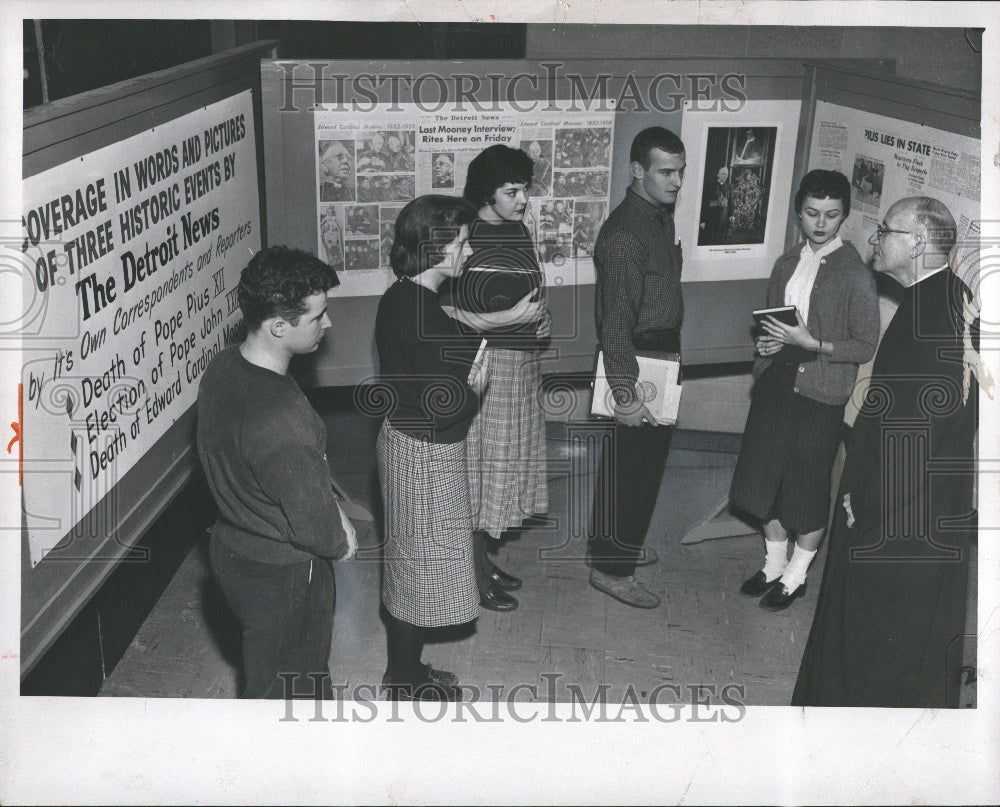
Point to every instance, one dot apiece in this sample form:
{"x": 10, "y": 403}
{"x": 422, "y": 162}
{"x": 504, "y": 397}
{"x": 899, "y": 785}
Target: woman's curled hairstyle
{"x": 822, "y": 184}
{"x": 424, "y": 228}
{"x": 493, "y": 168}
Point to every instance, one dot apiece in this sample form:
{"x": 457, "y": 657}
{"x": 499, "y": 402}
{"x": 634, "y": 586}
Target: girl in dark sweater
{"x": 425, "y": 359}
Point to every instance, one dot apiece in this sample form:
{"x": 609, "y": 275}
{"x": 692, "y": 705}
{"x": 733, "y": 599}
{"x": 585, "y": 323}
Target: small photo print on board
{"x": 336, "y": 171}
{"x": 361, "y": 254}
{"x": 331, "y": 236}
{"x": 361, "y": 220}
{"x": 583, "y": 148}
{"x": 443, "y": 170}
{"x": 540, "y": 152}
{"x": 866, "y": 183}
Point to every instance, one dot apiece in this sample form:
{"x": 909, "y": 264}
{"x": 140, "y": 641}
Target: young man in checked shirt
{"x": 639, "y": 311}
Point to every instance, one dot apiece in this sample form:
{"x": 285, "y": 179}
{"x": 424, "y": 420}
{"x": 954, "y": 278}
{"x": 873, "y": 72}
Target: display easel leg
{"x": 713, "y": 527}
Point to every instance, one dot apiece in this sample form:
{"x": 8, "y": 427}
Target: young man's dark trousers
{"x": 628, "y": 482}
{"x": 629, "y": 477}
{"x": 286, "y": 616}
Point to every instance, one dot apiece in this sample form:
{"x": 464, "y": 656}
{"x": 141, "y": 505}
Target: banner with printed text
{"x": 368, "y": 168}
{"x": 134, "y": 253}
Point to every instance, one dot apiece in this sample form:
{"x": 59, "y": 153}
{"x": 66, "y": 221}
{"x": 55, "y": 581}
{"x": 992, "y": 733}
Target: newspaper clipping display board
{"x": 886, "y": 160}
{"x": 135, "y": 253}
{"x": 368, "y": 167}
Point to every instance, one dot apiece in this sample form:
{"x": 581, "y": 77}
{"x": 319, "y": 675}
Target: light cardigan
{"x": 843, "y": 312}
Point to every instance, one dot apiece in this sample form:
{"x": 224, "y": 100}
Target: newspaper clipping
{"x": 368, "y": 168}
{"x": 888, "y": 159}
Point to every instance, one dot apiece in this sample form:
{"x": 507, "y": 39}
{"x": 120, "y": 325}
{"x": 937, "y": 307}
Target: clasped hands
{"x": 529, "y": 308}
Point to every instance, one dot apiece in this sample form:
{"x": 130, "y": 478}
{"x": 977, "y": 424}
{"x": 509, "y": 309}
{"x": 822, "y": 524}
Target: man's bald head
{"x": 915, "y": 238}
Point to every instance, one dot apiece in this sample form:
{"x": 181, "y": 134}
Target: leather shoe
{"x": 779, "y": 597}
{"x": 430, "y": 675}
{"x": 624, "y": 589}
{"x": 421, "y": 691}
{"x": 505, "y": 581}
{"x": 442, "y": 677}
{"x": 496, "y": 599}
{"x": 758, "y": 584}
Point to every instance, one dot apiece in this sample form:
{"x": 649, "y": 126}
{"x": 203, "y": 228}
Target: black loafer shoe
{"x": 779, "y": 597}
{"x": 505, "y": 581}
{"x": 757, "y": 585}
{"x": 442, "y": 677}
{"x": 496, "y": 599}
{"x": 421, "y": 691}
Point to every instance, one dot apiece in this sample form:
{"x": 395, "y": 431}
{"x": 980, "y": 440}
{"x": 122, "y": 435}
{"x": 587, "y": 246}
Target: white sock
{"x": 795, "y": 572}
{"x": 776, "y": 560}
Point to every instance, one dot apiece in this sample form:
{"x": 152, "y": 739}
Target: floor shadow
{"x": 222, "y": 626}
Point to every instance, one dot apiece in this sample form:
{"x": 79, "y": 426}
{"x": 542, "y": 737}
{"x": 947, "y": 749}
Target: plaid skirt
{"x": 429, "y": 578}
{"x": 506, "y": 445}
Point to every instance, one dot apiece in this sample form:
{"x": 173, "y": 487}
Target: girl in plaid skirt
{"x": 425, "y": 359}
{"x": 506, "y": 442}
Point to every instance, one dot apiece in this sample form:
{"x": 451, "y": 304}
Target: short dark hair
{"x": 494, "y": 167}
{"x": 277, "y": 282}
{"x": 424, "y": 228}
{"x": 655, "y": 137}
{"x": 822, "y": 184}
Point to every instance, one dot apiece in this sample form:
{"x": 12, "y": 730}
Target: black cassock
{"x": 891, "y": 612}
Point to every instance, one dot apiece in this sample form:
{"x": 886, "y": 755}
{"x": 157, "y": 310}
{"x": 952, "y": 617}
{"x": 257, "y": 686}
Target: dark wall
{"x": 83, "y": 55}
{"x": 394, "y": 40}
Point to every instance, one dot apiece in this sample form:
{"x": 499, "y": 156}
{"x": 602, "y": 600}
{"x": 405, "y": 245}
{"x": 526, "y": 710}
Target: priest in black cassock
{"x": 891, "y": 611}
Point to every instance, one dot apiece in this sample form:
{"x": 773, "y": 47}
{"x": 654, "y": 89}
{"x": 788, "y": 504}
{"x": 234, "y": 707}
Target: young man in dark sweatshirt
{"x": 262, "y": 447}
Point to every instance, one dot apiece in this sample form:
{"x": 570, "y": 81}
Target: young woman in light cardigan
{"x": 804, "y": 376}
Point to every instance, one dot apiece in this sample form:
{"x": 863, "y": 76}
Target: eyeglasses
{"x": 881, "y": 230}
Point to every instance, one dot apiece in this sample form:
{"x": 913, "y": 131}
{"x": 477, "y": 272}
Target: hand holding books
{"x": 657, "y": 396}
{"x": 782, "y": 334}
{"x": 635, "y": 415}
{"x": 528, "y": 309}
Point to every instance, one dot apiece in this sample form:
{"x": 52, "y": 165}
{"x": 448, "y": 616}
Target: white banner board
{"x": 135, "y": 251}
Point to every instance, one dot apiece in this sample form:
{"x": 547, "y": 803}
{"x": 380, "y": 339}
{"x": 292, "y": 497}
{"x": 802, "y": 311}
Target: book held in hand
{"x": 657, "y": 387}
{"x": 789, "y": 354}
{"x": 784, "y": 313}
{"x": 485, "y": 289}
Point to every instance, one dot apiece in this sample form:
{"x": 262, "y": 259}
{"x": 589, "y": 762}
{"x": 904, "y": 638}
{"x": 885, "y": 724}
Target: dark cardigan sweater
{"x": 843, "y": 312}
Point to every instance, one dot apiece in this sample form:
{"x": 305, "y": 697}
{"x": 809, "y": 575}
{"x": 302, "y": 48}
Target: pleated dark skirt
{"x": 787, "y": 454}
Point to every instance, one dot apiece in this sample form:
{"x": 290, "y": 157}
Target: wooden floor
{"x": 564, "y": 634}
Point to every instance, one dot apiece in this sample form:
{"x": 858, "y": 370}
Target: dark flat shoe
{"x": 505, "y": 581}
{"x": 779, "y": 597}
{"x": 442, "y": 677}
{"x": 496, "y": 599}
{"x": 421, "y": 691}
{"x": 431, "y": 675}
{"x": 757, "y": 585}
